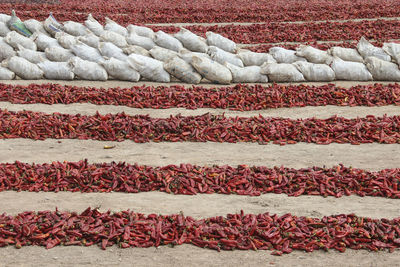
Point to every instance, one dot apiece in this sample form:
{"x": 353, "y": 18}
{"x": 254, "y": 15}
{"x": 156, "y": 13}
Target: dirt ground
{"x": 366, "y": 156}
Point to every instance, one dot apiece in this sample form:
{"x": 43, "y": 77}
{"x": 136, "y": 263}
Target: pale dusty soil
{"x": 366, "y": 156}
{"x": 124, "y": 84}
{"x": 321, "y": 112}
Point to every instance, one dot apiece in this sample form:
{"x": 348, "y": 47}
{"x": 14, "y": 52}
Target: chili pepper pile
{"x": 207, "y": 127}
{"x": 167, "y": 11}
{"x": 283, "y": 234}
{"x": 239, "y": 97}
{"x": 190, "y": 180}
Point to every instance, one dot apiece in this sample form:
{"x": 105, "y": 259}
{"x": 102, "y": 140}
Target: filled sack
{"x": 346, "y": 54}
{"x": 162, "y": 54}
{"x": 87, "y": 70}
{"x": 392, "y": 49}
{"x": 251, "y": 74}
{"x": 31, "y": 55}
{"x": 211, "y": 70}
{"x": 113, "y": 37}
{"x": 44, "y": 41}
{"x": 23, "y": 68}
{"x": 52, "y": 26}
{"x": 250, "y": 58}
{"x": 90, "y": 39}
{"x": 86, "y": 52}
{"x": 145, "y": 42}
{"x": 58, "y": 54}
{"x": 382, "y": 70}
{"x": 167, "y": 41}
{"x": 93, "y": 25}
{"x": 14, "y": 39}
{"x": 350, "y": 71}
{"x": 115, "y": 27}
{"x": 191, "y": 41}
{"x": 65, "y": 40}
{"x": 135, "y": 49}
{"x": 75, "y": 28}
{"x": 56, "y": 70}
{"x": 120, "y": 70}
{"x": 6, "y": 50}
{"x": 6, "y": 74}
{"x": 149, "y": 68}
{"x": 282, "y": 72}
{"x": 4, "y": 18}
{"x": 187, "y": 55}
{"x": 15, "y": 24}
{"x": 222, "y": 56}
{"x": 366, "y": 49}
{"x": 182, "y": 70}
{"x": 110, "y": 50}
{"x": 34, "y": 25}
{"x": 215, "y": 39}
{"x": 141, "y": 31}
{"x": 282, "y": 55}
{"x": 313, "y": 55}
{"x": 315, "y": 72}
{"x": 4, "y": 30}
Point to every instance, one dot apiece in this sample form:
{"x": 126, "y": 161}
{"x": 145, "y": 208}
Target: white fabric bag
{"x": 315, "y": 72}
{"x": 75, "y": 28}
{"x": 65, "y": 40}
{"x": 113, "y": 37}
{"x": 211, "y": 70}
{"x": 392, "y": 49}
{"x": 187, "y": 55}
{"x": 56, "y": 70}
{"x": 182, "y": 70}
{"x": 141, "y": 31}
{"x": 282, "y": 55}
{"x": 314, "y": 55}
{"x": 31, "y": 55}
{"x": 366, "y": 49}
{"x": 6, "y": 50}
{"x": 346, "y": 54}
{"x": 115, "y": 27}
{"x": 4, "y": 29}
{"x": 58, "y": 54}
{"x": 86, "y": 52}
{"x": 34, "y": 25}
{"x": 250, "y": 58}
{"x": 145, "y": 42}
{"x": 162, "y": 54}
{"x": 221, "y": 56}
{"x": 93, "y": 25}
{"x": 282, "y": 72}
{"x": 350, "y": 71}
{"x": 6, "y": 74}
{"x": 382, "y": 70}
{"x": 215, "y": 39}
{"x": 52, "y": 26}
{"x": 23, "y": 68}
{"x": 44, "y": 41}
{"x": 110, "y": 50}
{"x": 191, "y": 41}
{"x": 149, "y": 68}
{"x": 167, "y": 41}
{"x": 135, "y": 49}
{"x": 87, "y": 70}
{"x": 90, "y": 39}
{"x": 250, "y": 74}
{"x": 14, "y": 39}
{"x": 120, "y": 70}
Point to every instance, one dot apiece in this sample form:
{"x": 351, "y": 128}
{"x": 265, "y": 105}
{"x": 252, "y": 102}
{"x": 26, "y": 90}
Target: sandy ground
{"x": 124, "y": 84}
{"x": 367, "y": 156}
{"x": 321, "y": 112}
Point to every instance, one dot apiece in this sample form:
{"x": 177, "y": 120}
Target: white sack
{"x": 141, "y": 31}
{"x": 220, "y": 41}
{"x": 249, "y": 74}
{"x": 382, "y": 70}
{"x": 187, "y": 55}
{"x": 182, "y": 70}
{"x": 191, "y": 41}
{"x": 75, "y": 28}
{"x": 145, "y": 42}
{"x": 86, "y": 52}
{"x": 282, "y": 55}
{"x": 113, "y": 37}
{"x": 221, "y": 56}
{"x": 162, "y": 54}
{"x": 31, "y": 55}
{"x": 4, "y": 29}
{"x": 65, "y": 40}
{"x": 149, "y": 68}
{"x": 313, "y": 55}
{"x": 44, "y": 41}
{"x": 58, "y": 54}
{"x": 56, "y": 70}
{"x": 366, "y": 49}
{"x": 135, "y": 49}
{"x": 282, "y": 72}
{"x": 6, "y": 50}
{"x": 90, "y": 39}
{"x": 52, "y": 26}
{"x": 4, "y": 18}
{"x": 393, "y": 49}
{"x": 6, "y": 74}
{"x": 87, "y": 70}
{"x": 350, "y": 71}
{"x": 212, "y": 70}
{"x": 167, "y": 41}
{"x": 93, "y": 25}
{"x": 346, "y": 54}
{"x": 109, "y": 50}
{"x": 34, "y": 25}
{"x": 115, "y": 27}
{"x": 14, "y": 39}
{"x": 250, "y": 58}
{"x": 315, "y": 72}
{"x": 120, "y": 70}
{"x": 23, "y": 68}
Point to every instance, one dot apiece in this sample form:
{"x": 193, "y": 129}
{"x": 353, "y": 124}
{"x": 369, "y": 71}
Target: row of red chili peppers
{"x": 190, "y": 180}
{"x": 204, "y": 11}
{"x": 207, "y": 127}
{"x": 239, "y": 97}
{"x": 283, "y": 234}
